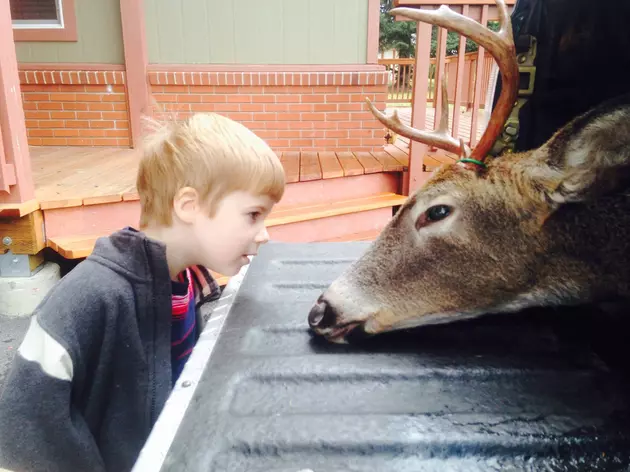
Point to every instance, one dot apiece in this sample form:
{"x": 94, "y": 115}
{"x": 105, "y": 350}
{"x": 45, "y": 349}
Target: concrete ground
{"x": 12, "y": 331}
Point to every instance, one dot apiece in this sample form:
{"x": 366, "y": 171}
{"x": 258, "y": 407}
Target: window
{"x": 43, "y": 20}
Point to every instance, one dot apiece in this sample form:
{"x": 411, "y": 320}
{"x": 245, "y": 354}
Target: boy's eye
{"x": 254, "y": 215}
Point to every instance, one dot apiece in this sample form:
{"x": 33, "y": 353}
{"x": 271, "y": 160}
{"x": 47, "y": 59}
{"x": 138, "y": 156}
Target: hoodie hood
{"x": 132, "y": 254}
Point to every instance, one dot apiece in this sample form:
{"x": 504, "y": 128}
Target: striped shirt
{"x": 184, "y": 323}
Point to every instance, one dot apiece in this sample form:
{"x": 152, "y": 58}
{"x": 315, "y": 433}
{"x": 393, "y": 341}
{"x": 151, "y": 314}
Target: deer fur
{"x": 546, "y": 227}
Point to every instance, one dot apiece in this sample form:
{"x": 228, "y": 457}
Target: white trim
{"x": 159, "y": 442}
{"x": 40, "y": 347}
{"x": 42, "y": 24}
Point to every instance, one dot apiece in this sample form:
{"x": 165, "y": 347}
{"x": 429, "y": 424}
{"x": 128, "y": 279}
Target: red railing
{"x": 400, "y": 85}
{"x": 470, "y": 77}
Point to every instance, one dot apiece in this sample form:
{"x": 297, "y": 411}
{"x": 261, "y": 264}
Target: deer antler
{"x": 441, "y": 138}
{"x": 500, "y": 45}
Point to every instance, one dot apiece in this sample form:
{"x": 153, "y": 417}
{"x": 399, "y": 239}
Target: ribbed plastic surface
{"x": 500, "y": 393}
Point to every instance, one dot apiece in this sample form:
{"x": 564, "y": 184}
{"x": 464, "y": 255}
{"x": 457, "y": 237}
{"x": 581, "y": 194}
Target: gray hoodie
{"x": 94, "y": 369}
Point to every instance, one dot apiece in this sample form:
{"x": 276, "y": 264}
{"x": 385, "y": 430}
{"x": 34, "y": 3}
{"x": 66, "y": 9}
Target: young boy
{"x": 106, "y": 345}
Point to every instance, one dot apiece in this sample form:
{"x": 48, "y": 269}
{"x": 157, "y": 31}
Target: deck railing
{"x": 470, "y": 78}
{"x": 400, "y": 83}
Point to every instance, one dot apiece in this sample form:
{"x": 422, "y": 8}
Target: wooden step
{"x": 78, "y": 247}
{"x": 283, "y": 216}
{"x": 361, "y": 236}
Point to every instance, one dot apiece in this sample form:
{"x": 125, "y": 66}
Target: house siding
{"x": 99, "y": 39}
{"x": 257, "y": 31}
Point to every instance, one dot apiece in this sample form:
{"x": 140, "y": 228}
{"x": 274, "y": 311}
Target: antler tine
{"x": 500, "y": 45}
{"x": 440, "y": 138}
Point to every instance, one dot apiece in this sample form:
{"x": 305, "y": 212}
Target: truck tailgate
{"x": 498, "y": 393}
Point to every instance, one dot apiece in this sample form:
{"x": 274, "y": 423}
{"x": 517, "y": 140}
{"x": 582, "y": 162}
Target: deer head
{"x": 546, "y": 227}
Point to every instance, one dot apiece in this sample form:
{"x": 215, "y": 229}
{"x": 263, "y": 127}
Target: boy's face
{"x": 236, "y": 231}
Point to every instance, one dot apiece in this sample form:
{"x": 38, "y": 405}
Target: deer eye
{"x": 433, "y": 214}
{"x": 438, "y": 212}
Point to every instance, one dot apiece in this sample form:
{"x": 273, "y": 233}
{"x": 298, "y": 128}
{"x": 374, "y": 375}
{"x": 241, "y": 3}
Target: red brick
{"x": 35, "y": 97}
{"x": 63, "y": 115}
{"x": 327, "y": 106}
{"x": 326, "y": 125}
{"x": 289, "y": 98}
{"x": 77, "y": 124}
{"x": 89, "y": 97}
{"x": 279, "y": 142}
{"x": 253, "y": 107}
{"x": 37, "y": 115}
{"x": 105, "y": 142}
{"x": 58, "y": 133}
{"x": 115, "y": 115}
{"x": 79, "y": 142}
{"x": 89, "y": 115}
{"x": 337, "y": 134}
{"x": 102, "y": 124}
{"x": 239, "y": 99}
{"x": 166, "y": 98}
{"x": 75, "y": 106}
{"x": 350, "y": 142}
{"x": 314, "y": 116}
{"x": 289, "y": 134}
{"x": 40, "y": 132}
{"x": 226, "y": 107}
{"x": 300, "y": 107}
{"x": 266, "y": 116}
{"x": 301, "y": 142}
{"x": 263, "y": 98}
{"x": 213, "y": 98}
{"x": 54, "y": 141}
{"x": 282, "y": 107}
{"x": 62, "y": 97}
{"x": 51, "y": 124}
{"x": 50, "y": 106}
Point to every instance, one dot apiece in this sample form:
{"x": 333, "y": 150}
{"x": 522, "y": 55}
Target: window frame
{"x": 67, "y": 31}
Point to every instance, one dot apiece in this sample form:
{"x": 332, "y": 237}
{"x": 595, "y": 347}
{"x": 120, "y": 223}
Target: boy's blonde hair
{"x": 210, "y": 153}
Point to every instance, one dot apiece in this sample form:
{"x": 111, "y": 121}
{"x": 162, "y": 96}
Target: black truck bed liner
{"x": 497, "y": 393}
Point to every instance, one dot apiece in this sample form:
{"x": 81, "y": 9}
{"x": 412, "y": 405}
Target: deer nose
{"x": 322, "y": 315}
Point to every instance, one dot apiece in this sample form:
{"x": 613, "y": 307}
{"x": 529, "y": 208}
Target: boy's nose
{"x": 263, "y": 236}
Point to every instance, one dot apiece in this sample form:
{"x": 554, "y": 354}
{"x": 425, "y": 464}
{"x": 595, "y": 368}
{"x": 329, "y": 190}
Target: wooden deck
{"x": 435, "y": 159}
{"x": 76, "y": 176}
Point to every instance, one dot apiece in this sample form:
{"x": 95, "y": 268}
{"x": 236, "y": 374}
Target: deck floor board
{"x": 74, "y": 176}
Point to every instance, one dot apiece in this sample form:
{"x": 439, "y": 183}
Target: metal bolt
{"x": 7, "y": 241}
{"x": 522, "y": 58}
{"x": 186, "y": 383}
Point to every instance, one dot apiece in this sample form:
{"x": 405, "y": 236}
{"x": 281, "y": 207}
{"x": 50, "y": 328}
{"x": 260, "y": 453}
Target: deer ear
{"x": 588, "y": 157}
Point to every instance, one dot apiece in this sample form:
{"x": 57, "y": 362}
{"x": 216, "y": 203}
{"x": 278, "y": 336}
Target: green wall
{"x": 99, "y": 38}
{"x": 256, "y": 31}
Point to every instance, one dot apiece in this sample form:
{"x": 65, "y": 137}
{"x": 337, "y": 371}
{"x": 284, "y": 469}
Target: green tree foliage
{"x": 401, "y": 35}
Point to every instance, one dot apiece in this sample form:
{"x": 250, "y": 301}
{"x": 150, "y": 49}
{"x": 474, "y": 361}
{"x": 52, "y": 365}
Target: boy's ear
{"x": 186, "y": 204}
{"x": 587, "y": 158}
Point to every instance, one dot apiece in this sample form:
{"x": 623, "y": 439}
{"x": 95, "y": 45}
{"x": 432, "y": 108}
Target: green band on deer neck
{"x": 473, "y": 161}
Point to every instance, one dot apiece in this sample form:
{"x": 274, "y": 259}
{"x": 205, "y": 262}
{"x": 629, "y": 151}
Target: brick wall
{"x": 292, "y": 111}
{"x": 75, "y": 108}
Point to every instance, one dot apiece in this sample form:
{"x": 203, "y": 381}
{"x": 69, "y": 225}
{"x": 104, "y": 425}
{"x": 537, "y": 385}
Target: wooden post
{"x": 16, "y": 179}
{"x": 417, "y": 176}
{"x": 374, "y": 17}
{"x": 478, "y": 82}
{"x": 136, "y": 62}
{"x": 461, "y": 70}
